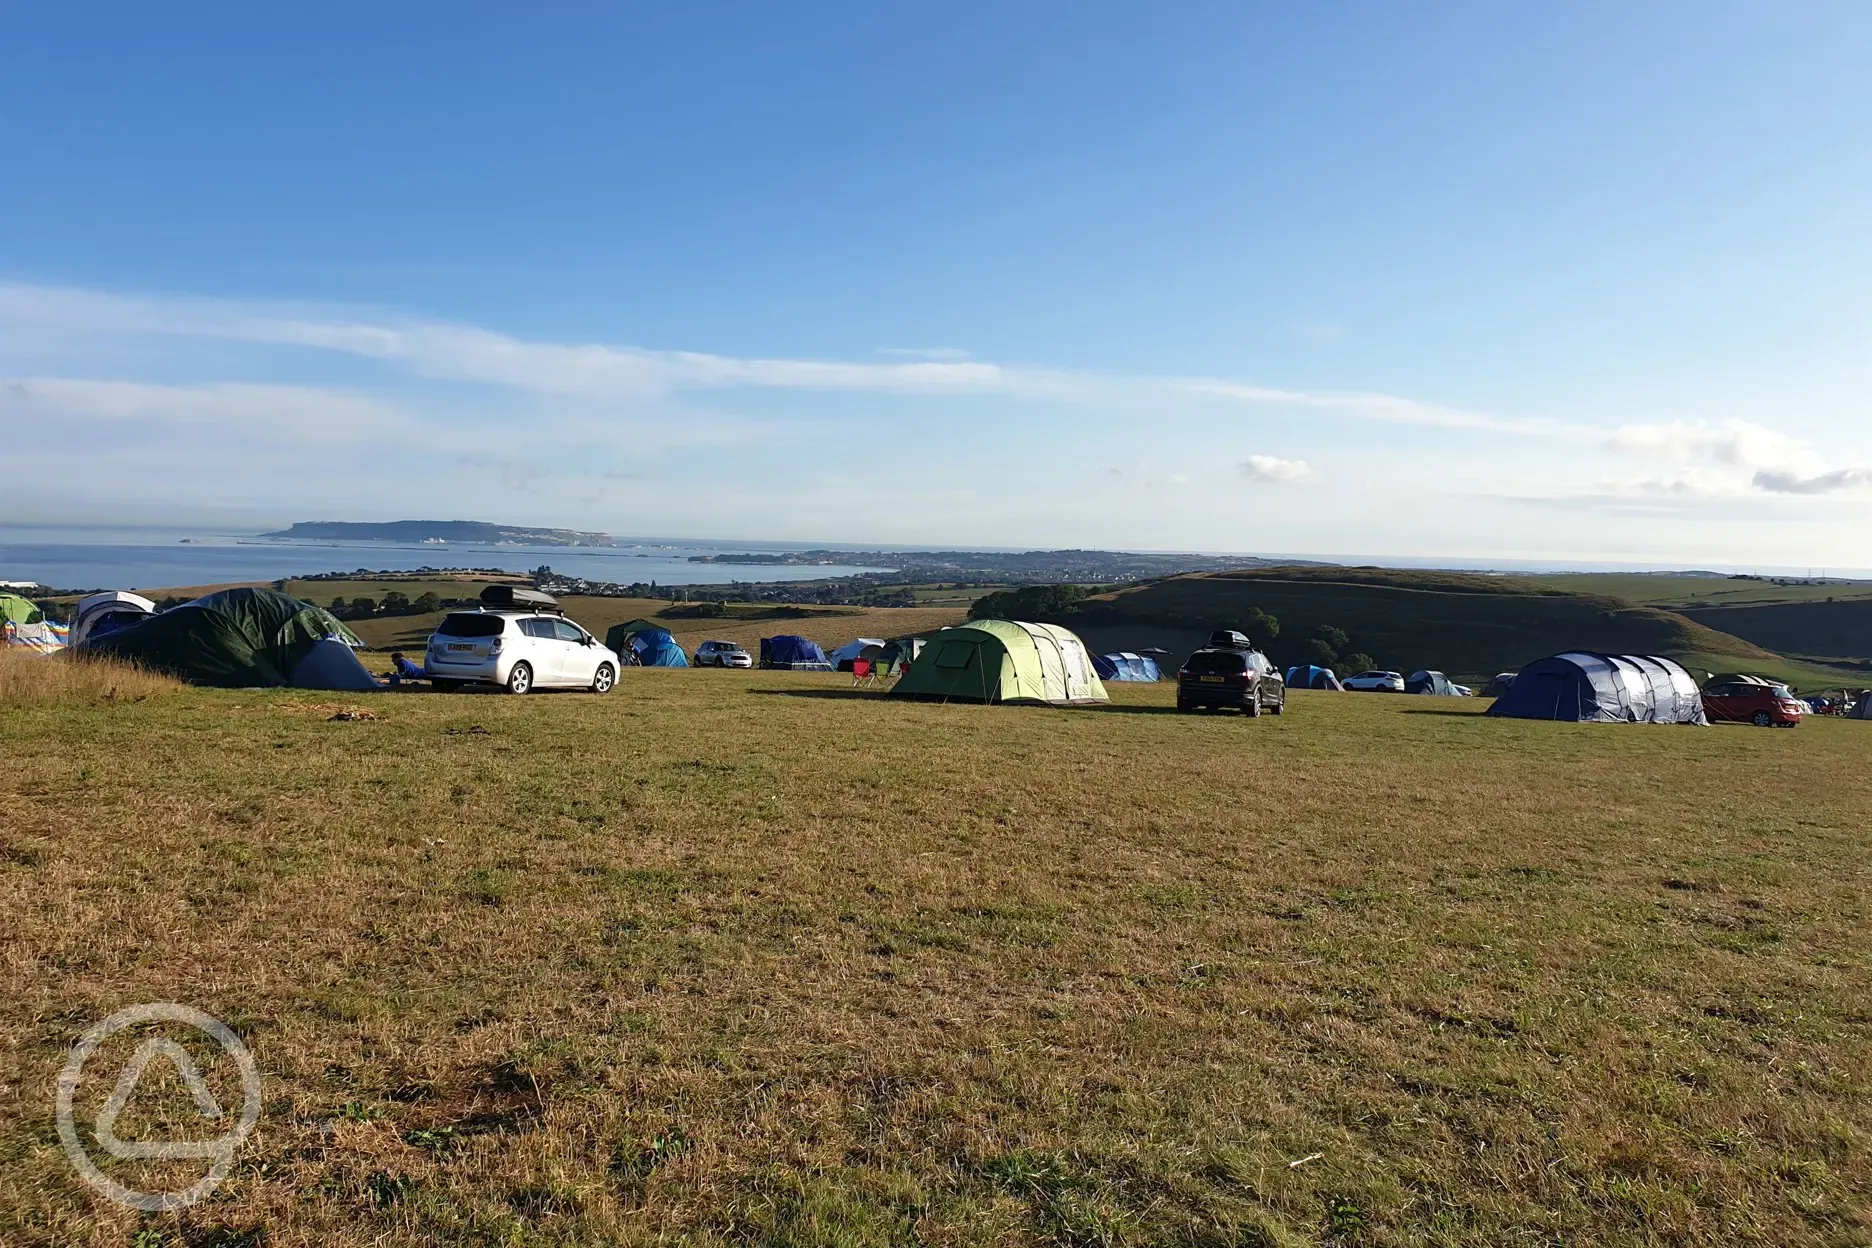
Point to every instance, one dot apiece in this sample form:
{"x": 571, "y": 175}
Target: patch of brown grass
{"x": 753, "y": 958}
{"x": 28, "y": 678}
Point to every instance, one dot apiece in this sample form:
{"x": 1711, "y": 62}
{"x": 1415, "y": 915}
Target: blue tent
{"x": 654, "y": 647}
{"x": 1583, "y": 687}
{"x": 1307, "y": 676}
{"x": 1123, "y": 665}
{"x": 796, "y": 654}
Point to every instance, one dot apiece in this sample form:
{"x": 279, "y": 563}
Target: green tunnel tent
{"x": 243, "y": 639}
{"x": 1003, "y": 661}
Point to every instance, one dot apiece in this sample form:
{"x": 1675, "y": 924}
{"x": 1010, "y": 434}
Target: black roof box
{"x": 1229, "y": 639}
{"x": 517, "y": 598}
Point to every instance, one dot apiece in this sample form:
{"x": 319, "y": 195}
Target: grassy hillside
{"x": 1659, "y": 590}
{"x": 755, "y": 959}
{"x": 1462, "y": 624}
{"x": 1818, "y": 630}
{"x": 1823, "y": 621}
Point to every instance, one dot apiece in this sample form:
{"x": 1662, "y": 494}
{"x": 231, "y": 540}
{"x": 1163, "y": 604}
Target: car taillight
{"x": 494, "y": 647}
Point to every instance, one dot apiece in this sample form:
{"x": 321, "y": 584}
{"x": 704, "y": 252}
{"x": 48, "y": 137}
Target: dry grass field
{"x": 754, "y": 958}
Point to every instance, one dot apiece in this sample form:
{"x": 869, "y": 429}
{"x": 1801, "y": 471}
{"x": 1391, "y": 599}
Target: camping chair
{"x": 864, "y": 672}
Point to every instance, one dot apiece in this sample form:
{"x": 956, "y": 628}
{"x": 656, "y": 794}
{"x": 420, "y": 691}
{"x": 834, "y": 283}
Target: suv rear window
{"x": 466, "y": 625}
{"x": 1217, "y": 663}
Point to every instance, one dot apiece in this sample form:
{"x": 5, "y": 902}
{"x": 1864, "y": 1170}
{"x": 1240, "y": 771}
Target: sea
{"x": 74, "y": 558}
{"x": 77, "y": 557}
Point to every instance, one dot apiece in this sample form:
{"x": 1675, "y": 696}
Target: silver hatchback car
{"x": 519, "y": 651}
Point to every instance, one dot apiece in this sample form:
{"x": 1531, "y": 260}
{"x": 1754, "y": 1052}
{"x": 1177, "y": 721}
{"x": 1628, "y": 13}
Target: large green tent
{"x": 1003, "y": 661}
{"x": 237, "y": 639}
{"x": 17, "y": 610}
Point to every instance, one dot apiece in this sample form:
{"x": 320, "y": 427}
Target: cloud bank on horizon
{"x": 141, "y": 407}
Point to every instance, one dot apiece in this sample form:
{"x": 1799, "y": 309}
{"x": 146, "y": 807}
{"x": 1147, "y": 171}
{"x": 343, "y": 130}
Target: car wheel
{"x": 1279, "y": 707}
{"x": 1184, "y": 708}
{"x": 1763, "y": 719}
{"x": 520, "y": 679}
{"x": 1253, "y": 707}
{"x": 603, "y": 679}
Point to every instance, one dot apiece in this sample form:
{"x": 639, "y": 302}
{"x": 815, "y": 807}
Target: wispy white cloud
{"x": 1382, "y": 407}
{"x": 1822, "y": 483}
{"x": 1274, "y": 470}
{"x": 289, "y": 414}
{"x": 445, "y": 351}
{"x": 925, "y": 353}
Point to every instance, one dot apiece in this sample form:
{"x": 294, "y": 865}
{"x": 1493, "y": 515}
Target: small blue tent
{"x": 654, "y": 647}
{"x": 1583, "y": 687}
{"x": 794, "y": 654}
{"x": 1123, "y": 665}
{"x": 1307, "y": 676}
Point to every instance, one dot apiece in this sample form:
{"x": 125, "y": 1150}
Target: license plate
{"x": 453, "y": 649}
{"x": 1215, "y": 680}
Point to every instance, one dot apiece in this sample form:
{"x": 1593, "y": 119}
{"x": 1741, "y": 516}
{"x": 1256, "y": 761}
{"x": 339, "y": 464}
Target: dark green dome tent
{"x": 242, "y": 639}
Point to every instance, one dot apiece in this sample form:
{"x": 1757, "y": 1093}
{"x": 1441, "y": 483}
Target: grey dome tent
{"x": 1862, "y": 706}
{"x": 1584, "y": 687}
{"x": 98, "y": 615}
{"x": 1433, "y": 683}
{"x": 1308, "y": 676}
{"x": 1499, "y": 685}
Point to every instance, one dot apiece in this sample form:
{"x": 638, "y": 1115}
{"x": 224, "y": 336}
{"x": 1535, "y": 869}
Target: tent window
{"x": 955, "y": 654}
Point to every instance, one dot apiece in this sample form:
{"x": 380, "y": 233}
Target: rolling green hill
{"x": 1464, "y": 624}
{"x": 1819, "y": 620}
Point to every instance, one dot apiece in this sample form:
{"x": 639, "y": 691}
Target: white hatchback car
{"x": 1375, "y": 682}
{"x": 518, "y": 650}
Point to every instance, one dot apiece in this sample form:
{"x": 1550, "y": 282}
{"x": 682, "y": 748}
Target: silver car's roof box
{"x": 516, "y": 598}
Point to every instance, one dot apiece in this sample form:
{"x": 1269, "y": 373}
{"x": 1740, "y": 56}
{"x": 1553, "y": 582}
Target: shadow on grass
{"x": 817, "y": 693}
{"x": 1457, "y": 714}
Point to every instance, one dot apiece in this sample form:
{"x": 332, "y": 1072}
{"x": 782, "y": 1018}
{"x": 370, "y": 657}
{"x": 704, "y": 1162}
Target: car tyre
{"x": 520, "y": 679}
{"x": 1253, "y": 707}
{"x": 603, "y": 678}
{"x": 1763, "y": 719}
{"x": 1278, "y": 708}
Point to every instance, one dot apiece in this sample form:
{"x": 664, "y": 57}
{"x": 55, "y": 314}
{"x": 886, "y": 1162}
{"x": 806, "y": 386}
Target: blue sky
{"x": 1470, "y": 280}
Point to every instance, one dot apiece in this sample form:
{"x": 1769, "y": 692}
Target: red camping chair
{"x": 864, "y": 672}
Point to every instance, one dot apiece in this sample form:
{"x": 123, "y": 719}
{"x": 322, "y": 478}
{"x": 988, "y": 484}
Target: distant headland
{"x": 437, "y": 531}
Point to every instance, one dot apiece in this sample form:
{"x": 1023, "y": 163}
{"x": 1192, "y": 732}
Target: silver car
{"x": 722, "y": 654}
{"x": 519, "y": 651}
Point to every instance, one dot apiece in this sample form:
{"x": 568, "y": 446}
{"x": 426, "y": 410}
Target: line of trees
{"x": 392, "y": 603}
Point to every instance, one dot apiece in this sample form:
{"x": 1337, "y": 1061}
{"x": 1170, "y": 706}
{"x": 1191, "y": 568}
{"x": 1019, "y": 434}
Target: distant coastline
{"x": 437, "y": 532}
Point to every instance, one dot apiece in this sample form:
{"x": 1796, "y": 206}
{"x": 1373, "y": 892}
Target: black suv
{"x": 1230, "y": 673}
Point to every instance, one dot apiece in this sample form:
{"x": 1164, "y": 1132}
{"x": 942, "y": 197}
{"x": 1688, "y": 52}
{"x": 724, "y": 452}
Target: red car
{"x": 1752, "y": 700}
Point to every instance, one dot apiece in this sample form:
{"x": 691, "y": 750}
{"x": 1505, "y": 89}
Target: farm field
{"x": 1677, "y": 592}
{"x": 756, "y": 958}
